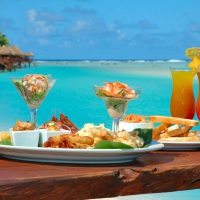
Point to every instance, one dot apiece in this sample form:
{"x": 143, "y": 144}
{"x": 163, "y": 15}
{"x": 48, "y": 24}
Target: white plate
{"x": 168, "y": 145}
{"x": 79, "y": 156}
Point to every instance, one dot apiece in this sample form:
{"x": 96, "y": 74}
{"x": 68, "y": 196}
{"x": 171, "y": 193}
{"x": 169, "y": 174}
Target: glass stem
{"x": 33, "y": 115}
{"x": 115, "y": 125}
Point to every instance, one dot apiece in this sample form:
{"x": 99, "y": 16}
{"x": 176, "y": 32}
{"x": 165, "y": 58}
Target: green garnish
{"x": 99, "y": 93}
{"x": 37, "y": 96}
{"x": 146, "y": 134}
{"x": 121, "y": 92}
{"x": 105, "y": 144}
{"x": 5, "y": 142}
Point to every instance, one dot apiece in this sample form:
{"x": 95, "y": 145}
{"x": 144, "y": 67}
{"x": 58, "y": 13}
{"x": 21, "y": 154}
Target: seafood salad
{"x": 116, "y": 90}
{"x": 33, "y": 88}
{"x": 116, "y": 95}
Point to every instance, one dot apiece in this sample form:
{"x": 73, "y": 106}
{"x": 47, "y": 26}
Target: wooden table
{"x": 158, "y": 171}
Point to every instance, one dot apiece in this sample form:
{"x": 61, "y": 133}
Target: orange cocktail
{"x": 182, "y": 100}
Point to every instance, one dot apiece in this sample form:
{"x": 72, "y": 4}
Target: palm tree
{"x": 3, "y": 39}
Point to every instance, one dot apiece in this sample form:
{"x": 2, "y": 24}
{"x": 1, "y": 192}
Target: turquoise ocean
{"x": 73, "y": 93}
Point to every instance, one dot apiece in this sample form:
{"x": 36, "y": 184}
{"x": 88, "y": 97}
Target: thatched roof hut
{"x": 29, "y": 54}
{"x": 17, "y": 51}
{"x": 5, "y": 50}
{"x": 12, "y": 57}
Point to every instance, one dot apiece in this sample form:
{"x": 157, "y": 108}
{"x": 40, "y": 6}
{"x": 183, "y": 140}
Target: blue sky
{"x": 102, "y": 29}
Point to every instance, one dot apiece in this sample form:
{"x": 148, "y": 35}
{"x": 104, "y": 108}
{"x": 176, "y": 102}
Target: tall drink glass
{"x": 182, "y": 100}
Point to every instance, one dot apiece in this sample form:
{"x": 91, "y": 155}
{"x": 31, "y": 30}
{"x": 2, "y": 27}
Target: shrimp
{"x": 63, "y": 123}
{"x": 35, "y": 82}
{"x": 117, "y": 89}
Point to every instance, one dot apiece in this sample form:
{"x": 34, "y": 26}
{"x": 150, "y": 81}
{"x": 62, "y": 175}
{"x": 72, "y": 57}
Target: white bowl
{"x": 130, "y": 126}
{"x": 44, "y": 135}
{"x": 25, "y": 138}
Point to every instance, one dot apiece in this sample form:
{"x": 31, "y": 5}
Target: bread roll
{"x": 173, "y": 120}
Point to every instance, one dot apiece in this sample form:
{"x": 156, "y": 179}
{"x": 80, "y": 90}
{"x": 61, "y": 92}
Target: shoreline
{"x": 142, "y": 68}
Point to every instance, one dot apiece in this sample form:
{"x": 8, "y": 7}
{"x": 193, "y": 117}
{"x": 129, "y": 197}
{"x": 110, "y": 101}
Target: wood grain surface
{"x": 158, "y": 171}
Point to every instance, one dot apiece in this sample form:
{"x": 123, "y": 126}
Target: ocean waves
{"x": 104, "y": 62}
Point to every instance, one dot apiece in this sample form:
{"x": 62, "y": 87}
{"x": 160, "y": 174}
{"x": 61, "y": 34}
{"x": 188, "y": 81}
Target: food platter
{"x": 78, "y": 156}
{"x": 181, "y": 146}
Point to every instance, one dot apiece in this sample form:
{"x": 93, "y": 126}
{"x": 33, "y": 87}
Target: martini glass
{"x": 116, "y": 107}
{"x": 33, "y": 91}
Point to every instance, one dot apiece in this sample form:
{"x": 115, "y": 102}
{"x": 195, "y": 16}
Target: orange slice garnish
{"x": 195, "y": 63}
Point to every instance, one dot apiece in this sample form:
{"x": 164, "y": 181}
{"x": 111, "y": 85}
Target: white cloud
{"x": 43, "y": 41}
{"x": 81, "y": 12}
{"x": 31, "y": 14}
{"x": 133, "y": 43}
{"x": 121, "y": 35}
{"x": 145, "y": 24}
{"x": 66, "y": 44}
{"x": 50, "y": 17}
{"x": 194, "y": 26}
{"x": 39, "y": 27}
{"x": 111, "y": 27}
{"x": 91, "y": 42}
{"x": 80, "y": 25}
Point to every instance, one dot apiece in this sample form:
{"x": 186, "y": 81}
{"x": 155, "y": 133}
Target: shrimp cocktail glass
{"x": 33, "y": 88}
{"x": 116, "y": 95}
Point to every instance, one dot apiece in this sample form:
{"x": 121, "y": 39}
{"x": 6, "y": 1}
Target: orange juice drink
{"x": 182, "y": 100}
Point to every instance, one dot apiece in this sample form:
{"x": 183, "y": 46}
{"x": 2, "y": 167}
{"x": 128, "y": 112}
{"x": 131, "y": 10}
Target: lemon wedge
{"x": 195, "y": 63}
{"x": 192, "y": 52}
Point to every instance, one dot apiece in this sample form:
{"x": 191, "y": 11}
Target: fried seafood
{"x": 97, "y": 132}
{"x": 69, "y": 141}
{"x": 131, "y": 139}
{"x": 52, "y": 126}
{"x": 23, "y": 126}
{"x": 90, "y": 135}
{"x": 63, "y": 123}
